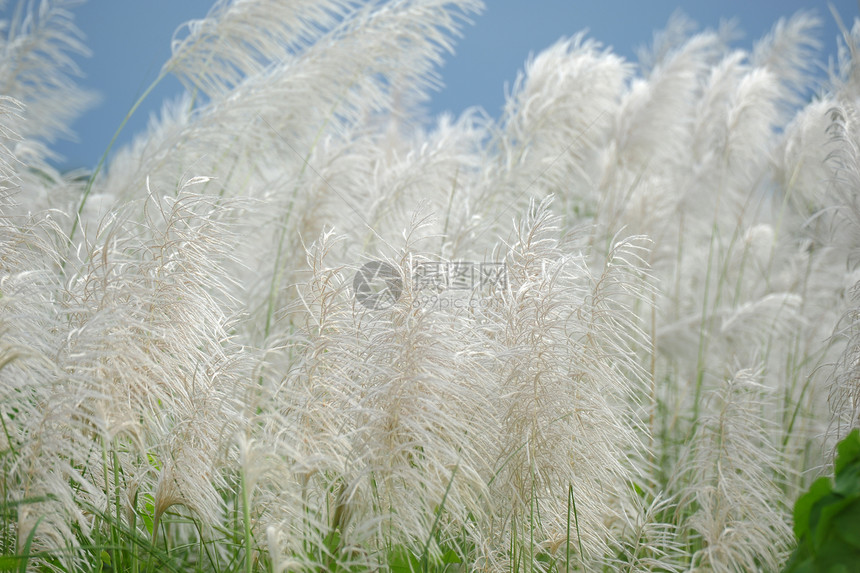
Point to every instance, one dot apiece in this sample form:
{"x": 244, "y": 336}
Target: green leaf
{"x": 401, "y": 560}
{"x": 800, "y": 562}
{"x": 22, "y": 568}
{"x": 827, "y": 518}
{"x": 803, "y": 506}
{"x": 332, "y": 542}
{"x": 847, "y": 525}
{"x": 825, "y": 510}
{"x": 848, "y": 480}
{"x": 12, "y": 503}
{"x": 451, "y": 556}
{"x": 835, "y": 555}
{"x": 847, "y": 451}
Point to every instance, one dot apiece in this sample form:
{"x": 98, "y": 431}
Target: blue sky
{"x": 130, "y": 41}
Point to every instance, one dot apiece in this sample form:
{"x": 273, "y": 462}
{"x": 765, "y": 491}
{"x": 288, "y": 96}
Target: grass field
{"x": 293, "y": 328}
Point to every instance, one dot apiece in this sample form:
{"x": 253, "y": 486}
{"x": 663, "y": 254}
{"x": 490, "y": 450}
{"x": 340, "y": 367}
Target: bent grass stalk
{"x": 77, "y": 219}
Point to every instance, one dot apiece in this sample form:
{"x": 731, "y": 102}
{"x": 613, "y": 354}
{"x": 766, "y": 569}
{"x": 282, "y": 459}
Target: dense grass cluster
{"x": 662, "y": 365}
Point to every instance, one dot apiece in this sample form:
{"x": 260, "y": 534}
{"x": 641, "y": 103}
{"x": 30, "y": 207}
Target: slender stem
{"x": 103, "y": 158}
{"x": 246, "y": 517}
{"x": 567, "y": 538}
{"x": 576, "y": 522}
{"x": 276, "y": 272}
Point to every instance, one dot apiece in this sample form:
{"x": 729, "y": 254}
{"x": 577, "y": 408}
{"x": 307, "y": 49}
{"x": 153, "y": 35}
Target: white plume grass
{"x": 198, "y": 371}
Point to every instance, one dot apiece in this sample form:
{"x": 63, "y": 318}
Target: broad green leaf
{"x": 451, "y": 556}
{"x": 803, "y": 507}
{"x": 847, "y": 525}
{"x": 847, "y": 451}
{"x": 821, "y": 520}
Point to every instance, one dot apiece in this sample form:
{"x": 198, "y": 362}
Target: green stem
{"x": 246, "y": 518}
{"x": 572, "y": 505}
{"x": 103, "y": 158}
